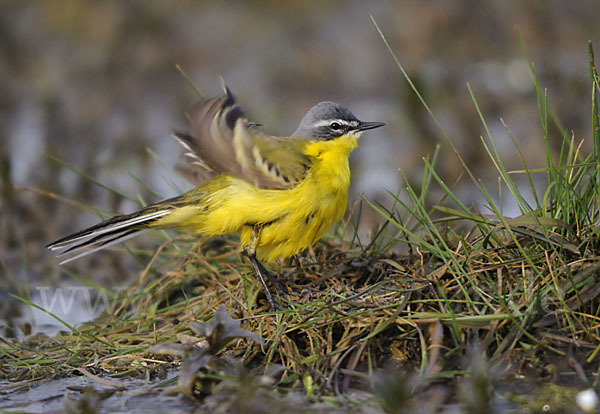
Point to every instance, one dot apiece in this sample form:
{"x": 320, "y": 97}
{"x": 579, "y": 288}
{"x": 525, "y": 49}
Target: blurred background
{"x": 94, "y": 84}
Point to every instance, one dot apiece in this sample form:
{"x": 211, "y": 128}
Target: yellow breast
{"x": 309, "y": 209}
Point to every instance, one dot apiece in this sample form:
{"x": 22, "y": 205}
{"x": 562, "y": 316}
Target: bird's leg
{"x": 261, "y": 272}
{"x": 250, "y": 252}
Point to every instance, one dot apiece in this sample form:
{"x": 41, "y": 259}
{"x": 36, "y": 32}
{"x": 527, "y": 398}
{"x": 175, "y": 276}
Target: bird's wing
{"x": 224, "y": 141}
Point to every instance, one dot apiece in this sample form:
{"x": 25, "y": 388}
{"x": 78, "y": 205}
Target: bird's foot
{"x": 262, "y": 273}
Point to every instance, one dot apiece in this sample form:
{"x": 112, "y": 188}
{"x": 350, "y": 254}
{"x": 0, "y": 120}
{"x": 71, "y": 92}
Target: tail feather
{"x": 87, "y": 248}
{"x": 105, "y": 234}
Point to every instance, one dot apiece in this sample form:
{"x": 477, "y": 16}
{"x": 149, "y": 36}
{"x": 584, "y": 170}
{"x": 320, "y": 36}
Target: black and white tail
{"x": 107, "y": 233}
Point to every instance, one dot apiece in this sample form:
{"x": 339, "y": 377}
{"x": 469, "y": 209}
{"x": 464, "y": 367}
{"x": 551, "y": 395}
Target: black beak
{"x": 363, "y": 126}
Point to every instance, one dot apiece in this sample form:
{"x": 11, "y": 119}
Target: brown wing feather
{"x": 223, "y": 141}
{"x": 190, "y": 165}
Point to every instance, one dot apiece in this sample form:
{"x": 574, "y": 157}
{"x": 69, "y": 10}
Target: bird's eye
{"x": 336, "y": 126}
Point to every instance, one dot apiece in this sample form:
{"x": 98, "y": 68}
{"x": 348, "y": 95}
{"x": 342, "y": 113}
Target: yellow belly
{"x": 305, "y": 213}
{"x": 288, "y": 220}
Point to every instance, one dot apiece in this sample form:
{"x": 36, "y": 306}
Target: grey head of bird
{"x": 328, "y": 120}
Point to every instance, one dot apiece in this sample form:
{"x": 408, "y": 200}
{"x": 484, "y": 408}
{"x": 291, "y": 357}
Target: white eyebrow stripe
{"x": 326, "y": 122}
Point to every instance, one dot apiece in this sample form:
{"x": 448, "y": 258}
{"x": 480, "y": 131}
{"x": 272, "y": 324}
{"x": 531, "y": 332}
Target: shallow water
{"x": 131, "y": 396}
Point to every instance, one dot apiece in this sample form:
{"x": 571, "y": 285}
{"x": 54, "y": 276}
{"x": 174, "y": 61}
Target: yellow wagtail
{"x": 280, "y": 193}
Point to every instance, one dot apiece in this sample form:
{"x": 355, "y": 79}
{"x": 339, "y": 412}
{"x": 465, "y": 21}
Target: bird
{"x": 280, "y": 194}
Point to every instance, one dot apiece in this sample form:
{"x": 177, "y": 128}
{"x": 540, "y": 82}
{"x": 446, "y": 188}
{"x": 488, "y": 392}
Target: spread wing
{"x": 224, "y": 141}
